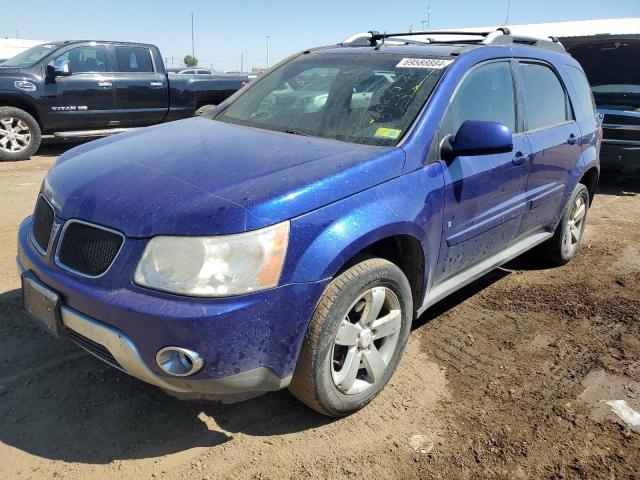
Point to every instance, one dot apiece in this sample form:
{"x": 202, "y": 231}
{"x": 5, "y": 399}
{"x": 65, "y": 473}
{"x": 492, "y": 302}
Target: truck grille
{"x": 613, "y": 119}
{"x": 42, "y": 224}
{"x": 621, "y": 134}
{"x": 88, "y": 250}
{"x": 95, "y": 348}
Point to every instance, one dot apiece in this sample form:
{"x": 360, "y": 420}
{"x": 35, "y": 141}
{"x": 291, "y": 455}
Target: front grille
{"x": 95, "y": 348}
{"x": 613, "y": 119}
{"x": 42, "y": 223}
{"x": 621, "y": 134}
{"x": 88, "y": 250}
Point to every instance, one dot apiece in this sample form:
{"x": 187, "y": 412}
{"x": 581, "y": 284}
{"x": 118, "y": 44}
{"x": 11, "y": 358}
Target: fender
{"x": 20, "y": 100}
{"x": 323, "y": 241}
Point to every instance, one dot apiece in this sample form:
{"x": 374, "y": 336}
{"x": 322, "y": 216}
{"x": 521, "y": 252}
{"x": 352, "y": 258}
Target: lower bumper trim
{"x": 125, "y": 353}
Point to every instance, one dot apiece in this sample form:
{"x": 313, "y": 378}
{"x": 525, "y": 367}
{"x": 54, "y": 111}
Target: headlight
{"x": 215, "y": 266}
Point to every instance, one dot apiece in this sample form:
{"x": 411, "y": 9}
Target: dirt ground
{"x": 507, "y": 379}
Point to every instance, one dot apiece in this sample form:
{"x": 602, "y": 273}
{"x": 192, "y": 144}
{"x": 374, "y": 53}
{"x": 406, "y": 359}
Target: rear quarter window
{"x": 583, "y": 90}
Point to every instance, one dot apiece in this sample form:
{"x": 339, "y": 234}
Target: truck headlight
{"x": 214, "y": 266}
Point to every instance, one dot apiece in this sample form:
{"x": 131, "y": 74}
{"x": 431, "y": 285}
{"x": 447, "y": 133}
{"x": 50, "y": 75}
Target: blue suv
{"x": 291, "y": 236}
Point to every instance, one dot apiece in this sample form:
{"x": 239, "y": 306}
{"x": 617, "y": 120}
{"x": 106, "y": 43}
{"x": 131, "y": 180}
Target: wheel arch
{"x": 405, "y": 251}
{"x": 23, "y": 104}
{"x": 590, "y": 180}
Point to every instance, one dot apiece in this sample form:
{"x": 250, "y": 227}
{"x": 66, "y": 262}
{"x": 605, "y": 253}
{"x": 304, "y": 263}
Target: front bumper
{"x": 616, "y": 156}
{"x": 249, "y": 343}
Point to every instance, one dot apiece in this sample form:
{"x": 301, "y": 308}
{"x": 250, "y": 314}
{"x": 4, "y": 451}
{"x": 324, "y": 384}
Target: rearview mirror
{"x": 477, "y": 137}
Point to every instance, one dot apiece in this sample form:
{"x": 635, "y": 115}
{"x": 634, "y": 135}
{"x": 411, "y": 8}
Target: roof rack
{"x": 499, "y": 36}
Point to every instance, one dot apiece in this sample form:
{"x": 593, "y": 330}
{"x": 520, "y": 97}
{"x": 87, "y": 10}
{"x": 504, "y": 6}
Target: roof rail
{"x": 499, "y": 36}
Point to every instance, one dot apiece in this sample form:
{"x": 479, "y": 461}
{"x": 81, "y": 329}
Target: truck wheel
{"x": 563, "y": 246}
{"x": 203, "y": 110}
{"x": 20, "y": 134}
{"x": 355, "y": 339}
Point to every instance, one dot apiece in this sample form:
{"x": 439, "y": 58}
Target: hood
{"x": 204, "y": 177}
{"x": 6, "y": 71}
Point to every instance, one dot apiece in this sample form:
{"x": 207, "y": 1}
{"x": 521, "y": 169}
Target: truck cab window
{"x": 134, "y": 59}
{"x": 86, "y": 59}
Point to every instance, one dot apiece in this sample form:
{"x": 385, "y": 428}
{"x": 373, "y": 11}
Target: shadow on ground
{"x": 60, "y": 403}
{"x": 54, "y": 147}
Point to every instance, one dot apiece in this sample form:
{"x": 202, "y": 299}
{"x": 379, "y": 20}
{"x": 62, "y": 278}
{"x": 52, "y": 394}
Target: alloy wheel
{"x": 575, "y": 224}
{"x": 15, "y": 135}
{"x": 366, "y": 341}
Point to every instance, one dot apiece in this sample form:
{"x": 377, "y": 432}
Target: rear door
{"x": 84, "y": 100}
{"x": 485, "y": 194}
{"x": 142, "y": 94}
{"x": 555, "y": 140}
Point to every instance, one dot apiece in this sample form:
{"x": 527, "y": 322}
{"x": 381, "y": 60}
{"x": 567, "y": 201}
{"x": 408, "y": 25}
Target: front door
{"x": 484, "y": 195}
{"x": 84, "y": 100}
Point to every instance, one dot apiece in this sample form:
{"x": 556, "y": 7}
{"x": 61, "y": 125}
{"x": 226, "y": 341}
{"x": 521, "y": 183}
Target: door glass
{"x": 134, "y": 59}
{"x": 85, "y": 59}
{"x": 486, "y": 94}
{"x": 546, "y": 101}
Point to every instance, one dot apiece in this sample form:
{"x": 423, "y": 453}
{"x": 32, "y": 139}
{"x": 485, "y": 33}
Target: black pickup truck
{"x": 80, "y": 88}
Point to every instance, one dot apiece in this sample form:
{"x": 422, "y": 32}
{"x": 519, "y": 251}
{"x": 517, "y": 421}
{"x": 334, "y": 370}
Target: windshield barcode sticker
{"x": 423, "y": 63}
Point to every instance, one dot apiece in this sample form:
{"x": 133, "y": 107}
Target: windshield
{"x": 371, "y": 99}
{"x": 30, "y": 57}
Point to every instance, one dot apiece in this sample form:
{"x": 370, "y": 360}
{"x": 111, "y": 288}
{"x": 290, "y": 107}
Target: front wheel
{"x": 563, "y": 246}
{"x": 20, "y": 134}
{"x": 355, "y": 339}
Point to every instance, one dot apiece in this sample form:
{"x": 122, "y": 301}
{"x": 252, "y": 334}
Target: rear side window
{"x": 546, "y": 102}
{"x": 580, "y": 83}
{"x": 134, "y": 59}
{"x": 487, "y": 93}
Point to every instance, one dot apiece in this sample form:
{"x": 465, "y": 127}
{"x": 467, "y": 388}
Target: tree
{"x": 190, "y": 61}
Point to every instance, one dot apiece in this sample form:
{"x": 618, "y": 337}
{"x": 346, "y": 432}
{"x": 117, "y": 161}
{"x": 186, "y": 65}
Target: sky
{"x": 226, "y": 30}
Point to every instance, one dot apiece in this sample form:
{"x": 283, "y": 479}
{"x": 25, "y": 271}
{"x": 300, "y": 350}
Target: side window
{"x": 133, "y": 59}
{"x": 546, "y": 102}
{"x": 85, "y": 59}
{"x": 581, "y": 84}
{"x": 487, "y": 93}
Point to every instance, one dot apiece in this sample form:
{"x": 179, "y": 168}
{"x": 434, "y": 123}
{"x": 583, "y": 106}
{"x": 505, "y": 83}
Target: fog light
{"x": 179, "y": 362}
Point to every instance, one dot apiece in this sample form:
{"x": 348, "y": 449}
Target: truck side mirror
{"x": 60, "y": 68}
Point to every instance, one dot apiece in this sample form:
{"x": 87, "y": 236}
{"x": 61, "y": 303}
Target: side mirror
{"x": 60, "y": 68}
{"x": 477, "y": 137}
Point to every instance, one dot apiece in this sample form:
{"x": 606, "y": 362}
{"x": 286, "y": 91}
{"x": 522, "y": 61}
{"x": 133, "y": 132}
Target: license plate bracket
{"x": 42, "y": 303}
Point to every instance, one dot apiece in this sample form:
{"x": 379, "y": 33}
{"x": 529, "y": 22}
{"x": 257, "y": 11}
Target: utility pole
{"x": 268, "y": 37}
{"x": 506, "y": 22}
{"x": 241, "y": 61}
{"x": 193, "y": 48}
{"x": 426, "y": 24}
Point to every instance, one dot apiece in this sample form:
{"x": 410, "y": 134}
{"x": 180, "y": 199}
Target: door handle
{"x": 156, "y": 84}
{"x": 519, "y": 159}
{"x": 105, "y": 84}
{"x": 572, "y": 139}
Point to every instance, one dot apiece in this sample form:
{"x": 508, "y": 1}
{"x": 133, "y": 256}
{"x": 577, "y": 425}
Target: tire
{"x": 203, "y": 110}
{"x": 563, "y": 246}
{"x": 15, "y": 126}
{"x": 352, "y": 296}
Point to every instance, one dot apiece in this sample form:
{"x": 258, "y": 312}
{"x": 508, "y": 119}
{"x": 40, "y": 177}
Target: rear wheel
{"x": 355, "y": 339}
{"x": 563, "y": 246}
{"x": 20, "y": 134}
